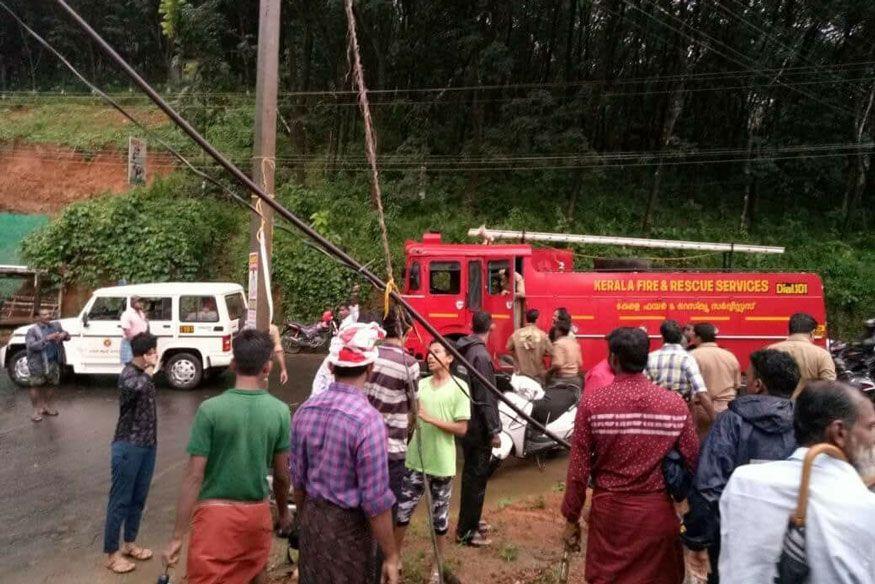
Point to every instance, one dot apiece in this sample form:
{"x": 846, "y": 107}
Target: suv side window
{"x": 445, "y": 278}
{"x": 198, "y": 309}
{"x": 160, "y": 308}
{"x": 236, "y": 306}
{"x": 107, "y": 308}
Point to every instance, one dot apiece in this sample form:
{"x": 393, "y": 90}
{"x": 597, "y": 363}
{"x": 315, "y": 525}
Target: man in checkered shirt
{"x": 673, "y": 368}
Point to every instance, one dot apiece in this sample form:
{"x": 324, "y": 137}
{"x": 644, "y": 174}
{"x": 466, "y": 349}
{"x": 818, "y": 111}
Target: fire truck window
{"x": 475, "y": 286}
{"x": 413, "y": 282}
{"x": 446, "y": 278}
{"x": 495, "y": 269}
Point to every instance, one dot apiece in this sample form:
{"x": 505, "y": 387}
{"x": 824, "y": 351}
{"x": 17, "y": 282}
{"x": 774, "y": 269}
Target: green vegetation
{"x": 508, "y": 552}
{"x": 168, "y": 232}
{"x": 584, "y": 117}
{"x": 504, "y": 503}
{"x": 188, "y": 234}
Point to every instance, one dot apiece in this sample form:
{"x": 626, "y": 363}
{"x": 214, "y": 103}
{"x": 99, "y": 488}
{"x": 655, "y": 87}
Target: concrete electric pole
{"x": 264, "y": 162}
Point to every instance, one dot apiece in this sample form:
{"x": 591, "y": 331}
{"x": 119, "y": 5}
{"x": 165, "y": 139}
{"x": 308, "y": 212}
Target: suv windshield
{"x": 107, "y": 308}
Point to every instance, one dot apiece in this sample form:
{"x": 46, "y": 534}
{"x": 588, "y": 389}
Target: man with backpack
{"x": 756, "y": 427}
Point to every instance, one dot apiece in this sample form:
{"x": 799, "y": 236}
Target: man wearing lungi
{"x": 340, "y": 471}
{"x": 622, "y": 433}
{"x": 236, "y": 438}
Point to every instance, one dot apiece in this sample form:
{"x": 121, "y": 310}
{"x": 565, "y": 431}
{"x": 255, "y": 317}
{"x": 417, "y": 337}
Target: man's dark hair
{"x": 631, "y": 345}
{"x": 481, "y": 322}
{"x": 802, "y": 323}
{"x": 563, "y": 327}
{"x": 532, "y": 315}
{"x": 349, "y": 372}
{"x": 819, "y": 405}
{"x": 143, "y": 343}
{"x": 671, "y": 332}
{"x": 252, "y": 350}
{"x": 706, "y": 331}
{"x": 396, "y": 323}
{"x": 777, "y": 370}
{"x": 562, "y": 314}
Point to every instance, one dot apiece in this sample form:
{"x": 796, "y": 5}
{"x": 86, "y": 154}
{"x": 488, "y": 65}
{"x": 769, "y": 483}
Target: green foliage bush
{"x": 163, "y": 233}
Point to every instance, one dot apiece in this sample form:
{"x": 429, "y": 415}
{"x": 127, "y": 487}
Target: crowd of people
{"x": 363, "y": 451}
{"x": 745, "y": 474}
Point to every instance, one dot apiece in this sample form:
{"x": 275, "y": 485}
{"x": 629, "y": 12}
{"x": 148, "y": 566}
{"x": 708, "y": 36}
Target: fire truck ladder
{"x": 728, "y": 249}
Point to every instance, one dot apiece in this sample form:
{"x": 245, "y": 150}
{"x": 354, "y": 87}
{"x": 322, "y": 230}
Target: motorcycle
{"x": 516, "y": 437}
{"x": 855, "y": 361}
{"x": 297, "y": 336}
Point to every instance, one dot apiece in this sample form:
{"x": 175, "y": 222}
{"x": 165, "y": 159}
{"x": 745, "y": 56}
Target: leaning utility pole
{"x": 264, "y": 163}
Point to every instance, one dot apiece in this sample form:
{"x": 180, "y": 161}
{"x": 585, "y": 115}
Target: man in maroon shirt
{"x": 621, "y": 435}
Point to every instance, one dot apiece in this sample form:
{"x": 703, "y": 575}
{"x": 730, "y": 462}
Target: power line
{"x": 454, "y": 102}
{"x": 722, "y": 5}
{"x": 430, "y": 160}
{"x": 715, "y": 51}
{"x": 747, "y": 72}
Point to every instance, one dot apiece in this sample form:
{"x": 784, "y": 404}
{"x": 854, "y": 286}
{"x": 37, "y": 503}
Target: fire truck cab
{"x": 448, "y": 283}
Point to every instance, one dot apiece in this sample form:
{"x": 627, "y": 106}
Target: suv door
{"x": 159, "y": 313}
{"x": 101, "y": 335}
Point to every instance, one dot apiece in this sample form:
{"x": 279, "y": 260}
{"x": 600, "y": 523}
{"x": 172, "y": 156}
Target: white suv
{"x": 194, "y": 324}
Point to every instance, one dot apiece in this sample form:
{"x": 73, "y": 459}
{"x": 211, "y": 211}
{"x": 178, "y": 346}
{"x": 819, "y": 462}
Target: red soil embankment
{"x": 43, "y": 179}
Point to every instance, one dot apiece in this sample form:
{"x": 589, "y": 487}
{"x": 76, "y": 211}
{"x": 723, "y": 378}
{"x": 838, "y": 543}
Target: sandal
{"x": 137, "y": 552}
{"x": 36, "y": 418}
{"x": 46, "y": 412}
{"x": 119, "y": 565}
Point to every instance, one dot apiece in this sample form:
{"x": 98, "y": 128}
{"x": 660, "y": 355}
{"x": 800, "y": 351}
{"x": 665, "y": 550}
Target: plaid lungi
{"x": 336, "y": 545}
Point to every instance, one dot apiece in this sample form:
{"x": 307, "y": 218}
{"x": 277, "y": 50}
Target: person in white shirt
{"x": 324, "y": 377}
{"x": 759, "y": 499}
{"x": 349, "y": 313}
{"x": 133, "y": 322}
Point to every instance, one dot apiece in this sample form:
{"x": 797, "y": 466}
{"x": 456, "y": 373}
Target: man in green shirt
{"x": 237, "y": 437}
{"x": 444, "y": 411}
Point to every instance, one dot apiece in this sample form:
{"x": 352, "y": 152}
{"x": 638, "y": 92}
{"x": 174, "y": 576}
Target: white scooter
{"x": 516, "y": 437}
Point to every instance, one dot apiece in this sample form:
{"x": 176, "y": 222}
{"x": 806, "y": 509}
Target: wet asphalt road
{"x": 54, "y": 475}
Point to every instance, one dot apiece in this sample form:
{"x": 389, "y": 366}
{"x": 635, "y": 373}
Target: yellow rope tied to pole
{"x": 387, "y": 297}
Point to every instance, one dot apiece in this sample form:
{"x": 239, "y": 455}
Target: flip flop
{"x": 120, "y": 566}
{"x": 50, "y": 412}
{"x": 36, "y": 418}
{"x": 138, "y": 553}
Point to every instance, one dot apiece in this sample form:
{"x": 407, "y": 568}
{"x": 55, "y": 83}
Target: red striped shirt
{"x": 621, "y": 434}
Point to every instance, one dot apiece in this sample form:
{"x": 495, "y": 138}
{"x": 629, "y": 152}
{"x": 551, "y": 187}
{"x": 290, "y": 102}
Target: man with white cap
{"x": 339, "y": 468}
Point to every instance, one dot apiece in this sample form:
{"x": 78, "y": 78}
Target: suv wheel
{"x": 184, "y": 371}
{"x": 18, "y": 370}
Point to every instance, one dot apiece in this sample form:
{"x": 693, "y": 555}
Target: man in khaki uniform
{"x": 720, "y": 370}
{"x": 529, "y": 345}
{"x": 567, "y": 358}
{"x": 815, "y": 363}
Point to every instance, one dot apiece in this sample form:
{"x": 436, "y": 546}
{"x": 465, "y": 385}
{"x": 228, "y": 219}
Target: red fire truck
{"x": 448, "y": 282}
